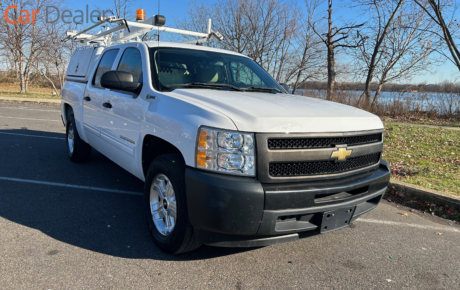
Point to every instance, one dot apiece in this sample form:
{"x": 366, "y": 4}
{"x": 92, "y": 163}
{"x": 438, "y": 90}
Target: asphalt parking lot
{"x": 81, "y": 226}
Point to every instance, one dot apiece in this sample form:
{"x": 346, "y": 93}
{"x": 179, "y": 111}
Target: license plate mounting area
{"x": 336, "y": 219}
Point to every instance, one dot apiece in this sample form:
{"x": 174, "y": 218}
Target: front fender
{"x": 177, "y": 121}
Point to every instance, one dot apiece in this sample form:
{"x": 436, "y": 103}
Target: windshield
{"x": 178, "y": 68}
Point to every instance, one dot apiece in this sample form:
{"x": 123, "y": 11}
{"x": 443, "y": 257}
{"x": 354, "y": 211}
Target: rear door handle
{"x": 88, "y": 99}
{"x": 107, "y": 105}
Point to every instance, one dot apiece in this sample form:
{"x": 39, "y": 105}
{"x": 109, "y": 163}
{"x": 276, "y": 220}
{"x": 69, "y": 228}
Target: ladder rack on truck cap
{"x": 131, "y": 30}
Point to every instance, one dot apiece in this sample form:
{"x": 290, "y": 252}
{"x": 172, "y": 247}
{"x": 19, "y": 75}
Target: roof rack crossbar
{"x": 71, "y": 35}
{"x": 137, "y": 29}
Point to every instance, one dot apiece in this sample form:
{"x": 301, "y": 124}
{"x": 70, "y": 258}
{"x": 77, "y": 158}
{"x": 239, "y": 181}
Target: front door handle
{"x": 107, "y": 105}
{"x": 88, "y": 99}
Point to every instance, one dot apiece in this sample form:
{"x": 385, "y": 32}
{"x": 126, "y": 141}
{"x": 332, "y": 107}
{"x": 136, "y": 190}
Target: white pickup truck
{"x": 228, "y": 156}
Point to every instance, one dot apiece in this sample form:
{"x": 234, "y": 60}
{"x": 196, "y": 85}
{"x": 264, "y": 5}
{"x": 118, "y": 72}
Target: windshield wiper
{"x": 264, "y": 89}
{"x": 204, "y": 85}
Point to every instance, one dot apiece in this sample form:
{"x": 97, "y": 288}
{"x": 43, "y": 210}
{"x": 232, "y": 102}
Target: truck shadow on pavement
{"x": 104, "y": 222}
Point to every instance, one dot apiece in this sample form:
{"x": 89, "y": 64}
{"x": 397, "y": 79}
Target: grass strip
{"x": 428, "y": 157}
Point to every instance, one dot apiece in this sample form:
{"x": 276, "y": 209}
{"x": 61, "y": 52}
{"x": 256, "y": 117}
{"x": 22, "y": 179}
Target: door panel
{"x": 123, "y": 146}
{"x": 122, "y": 127}
{"x": 123, "y": 120}
{"x": 92, "y": 115}
{"x": 95, "y": 96}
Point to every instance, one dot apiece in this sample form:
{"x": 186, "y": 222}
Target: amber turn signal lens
{"x": 203, "y": 138}
{"x": 140, "y": 14}
{"x": 201, "y": 158}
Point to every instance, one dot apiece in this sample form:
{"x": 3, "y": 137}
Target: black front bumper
{"x": 242, "y": 212}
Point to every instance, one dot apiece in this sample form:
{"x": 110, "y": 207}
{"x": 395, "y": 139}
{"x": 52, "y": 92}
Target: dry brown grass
{"x": 12, "y": 90}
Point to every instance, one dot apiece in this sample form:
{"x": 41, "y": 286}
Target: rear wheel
{"x": 166, "y": 205}
{"x": 78, "y": 150}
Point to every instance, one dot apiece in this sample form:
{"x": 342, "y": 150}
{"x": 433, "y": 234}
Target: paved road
{"x": 54, "y": 235}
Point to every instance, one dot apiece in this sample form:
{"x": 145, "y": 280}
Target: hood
{"x": 282, "y": 113}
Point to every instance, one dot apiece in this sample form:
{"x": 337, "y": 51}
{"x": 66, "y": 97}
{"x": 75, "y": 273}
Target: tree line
{"x": 443, "y": 87}
{"x": 301, "y": 43}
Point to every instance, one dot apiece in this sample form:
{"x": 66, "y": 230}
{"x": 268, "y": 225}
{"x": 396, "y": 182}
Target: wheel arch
{"x": 152, "y": 147}
{"x": 68, "y": 110}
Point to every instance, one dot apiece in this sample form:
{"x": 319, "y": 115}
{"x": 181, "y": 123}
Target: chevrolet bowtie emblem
{"x": 341, "y": 154}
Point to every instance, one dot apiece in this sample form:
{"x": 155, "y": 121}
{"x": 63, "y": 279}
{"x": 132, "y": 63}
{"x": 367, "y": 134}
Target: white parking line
{"x": 390, "y": 223}
{"x": 31, "y": 119}
{"x": 26, "y": 135}
{"x": 69, "y": 185}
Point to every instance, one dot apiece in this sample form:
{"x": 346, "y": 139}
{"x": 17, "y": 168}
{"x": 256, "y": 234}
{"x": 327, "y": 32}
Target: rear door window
{"x": 131, "y": 62}
{"x": 105, "y": 65}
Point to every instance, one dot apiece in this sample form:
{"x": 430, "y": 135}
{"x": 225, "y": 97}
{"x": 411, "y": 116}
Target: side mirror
{"x": 120, "y": 80}
{"x": 285, "y": 87}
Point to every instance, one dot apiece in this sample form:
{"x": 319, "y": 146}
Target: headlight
{"x": 226, "y": 151}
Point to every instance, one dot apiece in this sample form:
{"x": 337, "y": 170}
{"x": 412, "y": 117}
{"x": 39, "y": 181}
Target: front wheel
{"x": 78, "y": 150}
{"x": 166, "y": 205}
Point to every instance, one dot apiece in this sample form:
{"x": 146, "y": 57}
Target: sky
{"x": 177, "y": 9}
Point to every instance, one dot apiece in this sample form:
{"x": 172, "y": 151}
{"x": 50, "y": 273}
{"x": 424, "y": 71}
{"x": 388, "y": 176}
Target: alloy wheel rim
{"x": 163, "y": 204}
{"x": 70, "y": 138}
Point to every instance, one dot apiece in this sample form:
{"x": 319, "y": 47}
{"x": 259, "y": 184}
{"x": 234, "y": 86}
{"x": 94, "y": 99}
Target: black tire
{"x": 181, "y": 239}
{"x": 81, "y": 150}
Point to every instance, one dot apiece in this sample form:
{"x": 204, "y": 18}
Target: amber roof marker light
{"x": 140, "y": 14}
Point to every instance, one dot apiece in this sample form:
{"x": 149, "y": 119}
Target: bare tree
{"x": 262, "y": 29}
{"x": 280, "y": 58}
{"x": 308, "y": 61}
{"x": 271, "y": 26}
{"x": 24, "y": 38}
{"x": 8, "y": 63}
{"x": 405, "y": 50}
{"x": 230, "y": 19}
{"x": 381, "y": 21}
{"x": 54, "y": 56}
{"x": 331, "y": 42}
{"x": 436, "y": 10}
{"x": 121, "y": 8}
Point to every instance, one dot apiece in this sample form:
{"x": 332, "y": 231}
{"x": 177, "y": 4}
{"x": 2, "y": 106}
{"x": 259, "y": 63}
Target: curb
{"x": 31, "y": 101}
{"x": 425, "y": 194}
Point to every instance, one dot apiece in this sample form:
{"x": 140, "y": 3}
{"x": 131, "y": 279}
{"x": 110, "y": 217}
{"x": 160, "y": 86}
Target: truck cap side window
{"x": 131, "y": 62}
{"x": 104, "y": 66}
